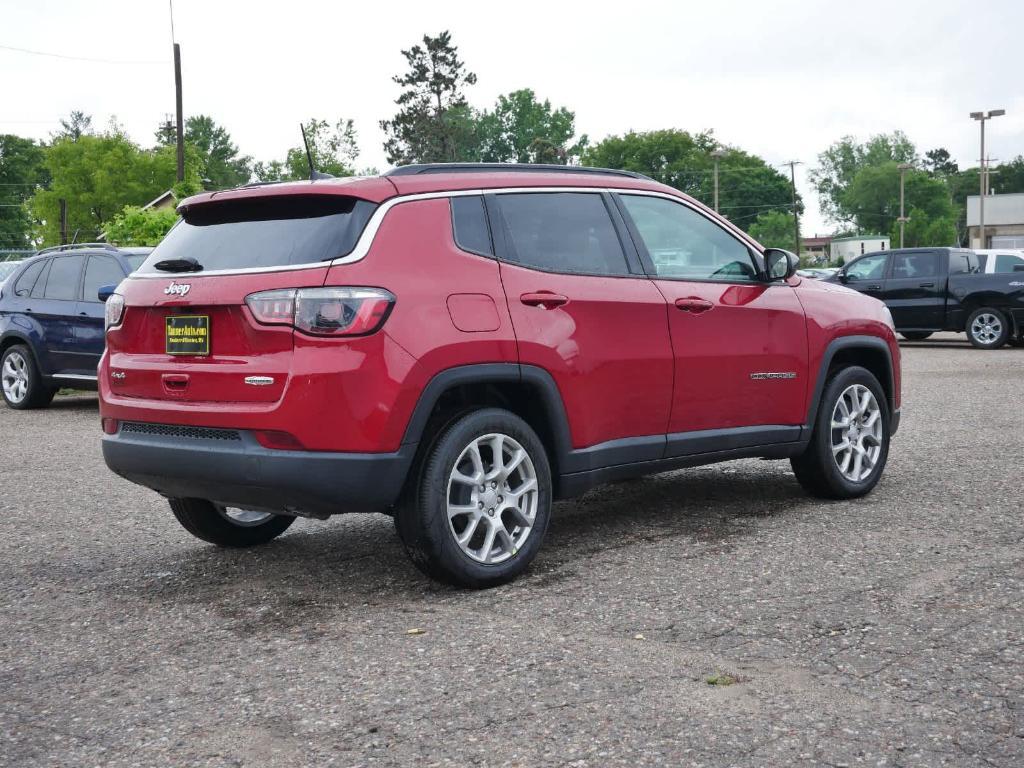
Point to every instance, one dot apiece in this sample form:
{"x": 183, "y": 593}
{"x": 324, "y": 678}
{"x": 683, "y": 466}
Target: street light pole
{"x": 904, "y": 167}
{"x": 717, "y": 154}
{"x": 982, "y": 117}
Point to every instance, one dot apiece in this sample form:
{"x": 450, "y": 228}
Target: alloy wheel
{"x": 986, "y": 328}
{"x": 14, "y": 377}
{"x": 492, "y": 498}
{"x": 856, "y": 433}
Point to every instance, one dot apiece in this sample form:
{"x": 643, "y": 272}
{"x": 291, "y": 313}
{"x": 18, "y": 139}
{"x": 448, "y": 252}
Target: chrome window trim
{"x": 365, "y": 242}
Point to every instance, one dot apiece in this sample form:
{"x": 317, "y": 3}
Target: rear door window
{"x": 62, "y": 281}
{"x": 263, "y": 232}
{"x": 568, "y": 232}
{"x": 100, "y": 271}
{"x": 914, "y": 265}
{"x": 959, "y": 263}
{"x": 27, "y": 280}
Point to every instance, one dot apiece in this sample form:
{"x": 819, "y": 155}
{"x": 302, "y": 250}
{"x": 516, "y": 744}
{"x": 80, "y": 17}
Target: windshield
{"x": 265, "y": 232}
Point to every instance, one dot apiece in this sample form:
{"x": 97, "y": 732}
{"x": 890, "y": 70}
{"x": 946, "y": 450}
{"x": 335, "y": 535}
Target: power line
{"x": 74, "y": 58}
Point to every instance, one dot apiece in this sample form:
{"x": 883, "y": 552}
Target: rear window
{"x": 265, "y": 232}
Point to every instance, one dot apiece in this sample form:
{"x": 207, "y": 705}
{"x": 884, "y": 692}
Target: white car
{"x": 992, "y": 260}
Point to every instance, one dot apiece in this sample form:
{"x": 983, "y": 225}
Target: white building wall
{"x": 851, "y": 249}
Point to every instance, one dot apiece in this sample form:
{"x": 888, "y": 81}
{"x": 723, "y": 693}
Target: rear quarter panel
{"x": 437, "y": 286}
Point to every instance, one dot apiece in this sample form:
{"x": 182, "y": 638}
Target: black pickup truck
{"x": 941, "y": 289}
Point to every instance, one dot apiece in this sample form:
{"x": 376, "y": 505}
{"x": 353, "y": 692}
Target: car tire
{"x": 468, "y": 520}
{"x": 988, "y": 328}
{"x": 915, "y": 335}
{"x": 228, "y": 527}
{"x": 21, "y": 384}
{"x": 829, "y": 473}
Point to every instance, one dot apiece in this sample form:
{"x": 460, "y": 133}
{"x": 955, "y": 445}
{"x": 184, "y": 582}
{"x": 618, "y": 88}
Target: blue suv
{"x": 51, "y": 319}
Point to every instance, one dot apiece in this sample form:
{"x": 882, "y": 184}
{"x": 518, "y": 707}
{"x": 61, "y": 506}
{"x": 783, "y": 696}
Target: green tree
{"x": 98, "y": 175}
{"x": 840, "y": 163}
{"x": 434, "y": 123}
{"x": 748, "y": 186}
{"x": 939, "y": 163}
{"x": 76, "y": 125}
{"x": 140, "y": 226}
{"x": 774, "y": 229}
{"x": 334, "y": 150}
{"x": 220, "y": 165}
{"x": 873, "y": 202}
{"x": 521, "y": 129}
{"x": 22, "y": 172}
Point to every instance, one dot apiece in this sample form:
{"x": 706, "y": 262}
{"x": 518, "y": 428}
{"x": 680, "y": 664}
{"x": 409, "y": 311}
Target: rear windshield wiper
{"x": 184, "y": 264}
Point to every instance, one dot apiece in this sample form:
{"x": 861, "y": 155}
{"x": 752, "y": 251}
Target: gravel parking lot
{"x": 885, "y": 631}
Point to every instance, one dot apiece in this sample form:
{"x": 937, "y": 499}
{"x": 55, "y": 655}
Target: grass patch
{"x": 721, "y": 679}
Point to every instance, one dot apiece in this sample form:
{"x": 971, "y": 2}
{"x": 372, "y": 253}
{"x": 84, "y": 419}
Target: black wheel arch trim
{"x": 494, "y": 373}
{"x": 843, "y": 343}
{"x": 24, "y": 340}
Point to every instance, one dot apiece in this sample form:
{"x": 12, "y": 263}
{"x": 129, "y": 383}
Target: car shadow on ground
{"x": 76, "y": 402}
{"x": 320, "y": 567}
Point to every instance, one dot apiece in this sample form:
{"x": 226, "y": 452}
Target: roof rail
{"x": 421, "y": 168}
{"x": 73, "y": 246}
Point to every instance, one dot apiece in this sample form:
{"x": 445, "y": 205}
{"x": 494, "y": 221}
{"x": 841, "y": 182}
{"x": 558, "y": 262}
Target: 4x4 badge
{"x": 177, "y": 289}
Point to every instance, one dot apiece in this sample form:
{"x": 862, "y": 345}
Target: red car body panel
{"x": 607, "y": 348}
{"x": 834, "y": 312}
{"x": 747, "y": 329}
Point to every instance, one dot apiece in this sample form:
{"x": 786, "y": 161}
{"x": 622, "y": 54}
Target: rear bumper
{"x": 230, "y": 467}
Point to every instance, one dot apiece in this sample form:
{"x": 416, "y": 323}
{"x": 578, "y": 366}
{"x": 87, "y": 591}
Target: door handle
{"x": 694, "y": 304}
{"x": 927, "y": 285}
{"x": 876, "y": 287}
{"x": 544, "y": 299}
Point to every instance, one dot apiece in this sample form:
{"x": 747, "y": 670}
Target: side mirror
{"x": 1018, "y": 267}
{"x": 105, "y": 292}
{"x": 844, "y": 277}
{"x": 780, "y": 264}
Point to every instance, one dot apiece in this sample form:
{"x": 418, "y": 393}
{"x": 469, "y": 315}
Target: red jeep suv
{"x": 460, "y": 345}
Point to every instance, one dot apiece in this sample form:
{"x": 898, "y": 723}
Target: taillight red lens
{"x": 324, "y": 311}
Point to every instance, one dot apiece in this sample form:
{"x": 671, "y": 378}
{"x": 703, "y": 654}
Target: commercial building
{"x": 816, "y": 248}
{"x": 847, "y": 248}
{"x": 1004, "y": 221}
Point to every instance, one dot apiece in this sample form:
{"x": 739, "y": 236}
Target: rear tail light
{"x": 323, "y": 311}
{"x": 113, "y": 311}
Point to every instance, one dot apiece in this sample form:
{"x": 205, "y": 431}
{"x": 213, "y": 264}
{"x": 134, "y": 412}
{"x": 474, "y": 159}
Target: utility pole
{"x": 63, "y": 221}
{"x": 177, "y": 99}
{"x": 904, "y": 167}
{"x": 796, "y": 218}
{"x": 177, "y": 96}
{"x": 982, "y": 117}
{"x": 717, "y": 154}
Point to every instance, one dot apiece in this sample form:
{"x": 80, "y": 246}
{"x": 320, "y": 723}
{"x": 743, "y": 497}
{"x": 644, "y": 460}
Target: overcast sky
{"x": 782, "y": 80}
